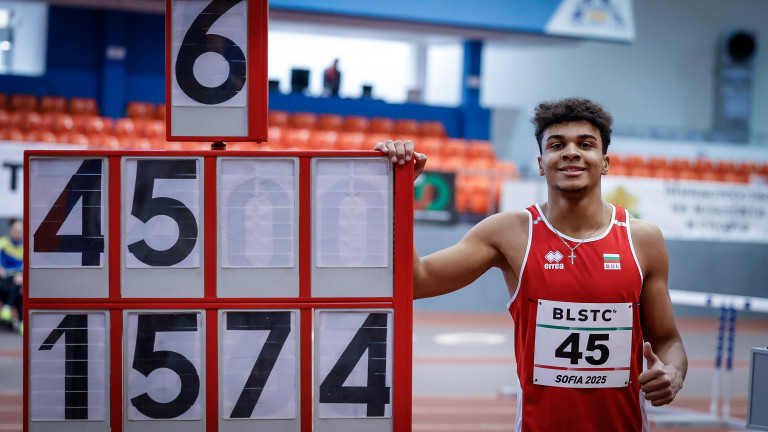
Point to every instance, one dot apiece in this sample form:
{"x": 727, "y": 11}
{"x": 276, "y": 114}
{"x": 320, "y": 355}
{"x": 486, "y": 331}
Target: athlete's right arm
{"x": 455, "y": 267}
{"x": 459, "y": 265}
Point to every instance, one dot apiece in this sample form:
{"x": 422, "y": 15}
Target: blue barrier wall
{"x": 78, "y": 65}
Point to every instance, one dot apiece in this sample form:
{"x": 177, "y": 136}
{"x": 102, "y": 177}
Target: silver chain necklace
{"x": 572, "y": 256}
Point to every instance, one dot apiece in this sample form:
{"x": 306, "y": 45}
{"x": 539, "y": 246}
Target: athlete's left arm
{"x": 663, "y": 347}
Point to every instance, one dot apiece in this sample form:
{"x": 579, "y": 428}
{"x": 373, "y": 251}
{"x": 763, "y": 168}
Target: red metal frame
{"x": 401, "y": 302}
{"x": 257, "y": 82}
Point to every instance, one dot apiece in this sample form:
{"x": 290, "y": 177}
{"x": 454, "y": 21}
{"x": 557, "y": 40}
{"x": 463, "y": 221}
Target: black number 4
{"x": 371, "y": 336}
{"x": 279, "y": 326}
{"x": 85, "y": 184}
{"x": 575, "y": 355}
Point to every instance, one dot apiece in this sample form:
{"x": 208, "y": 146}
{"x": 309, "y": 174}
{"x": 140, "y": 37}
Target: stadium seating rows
{"x": 479, "y": 174}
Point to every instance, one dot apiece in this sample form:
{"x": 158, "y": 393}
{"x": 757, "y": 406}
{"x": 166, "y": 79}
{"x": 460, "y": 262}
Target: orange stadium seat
{"x": 52, "y": 104}
{"x": 303, "y": 120}
{"x": 454, "y": 148}
{"x": 322, "y": 139}
{"x": 125, "y": 127}
{"x": 160, "y": 112}
{"x": 3, "y": 101}
{"x": 73, "y": 137}
{"x": 712, "y": 175}
{"x": 136, "y": 109}
{"x": 407, "y": 128}
{"x": 657, "y": 162}
{"x": 31, "y": 120}
{"x": 633, "y": 160}
{"x": 382, "y": 125}
{"x": 296, "y": 138}
{"x": 356, "y": 123}
{"x": 480, "y": 149}
{"x": 352, "y": 141}
{"x": 40, "y": 135}
{"x": 333, "y": 122}
{"x": 4, "y": 119}
{"x": 703, "y": 165}
{"x": 97, "y": 124}
{"x": 433, "y": 128}
{"x": 617, "y": 170}
{"x": 12, "y": 134}
{"x": 725, "y": 166}
{"x": 62, "y": 123}
{"x": 736, "y": 177}
{"x": 83, "y": 105}
{"x": 23, "y": 102}
{"x": 154, "y": 128}
{"x": 278, "y": 118}
{"x": 680, "y": 164}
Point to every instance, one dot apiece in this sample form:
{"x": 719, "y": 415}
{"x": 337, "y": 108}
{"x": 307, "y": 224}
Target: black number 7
{"x": 279, "y": 326}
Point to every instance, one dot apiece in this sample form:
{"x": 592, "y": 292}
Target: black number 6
{"x": 197, "y": 42}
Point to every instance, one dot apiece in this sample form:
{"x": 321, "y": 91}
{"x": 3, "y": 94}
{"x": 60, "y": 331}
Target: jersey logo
{"x": 554, "y": 260}
{"x": 611, "y": 262}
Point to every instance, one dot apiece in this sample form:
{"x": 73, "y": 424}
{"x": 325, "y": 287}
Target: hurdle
{"x": 729, "y": 305}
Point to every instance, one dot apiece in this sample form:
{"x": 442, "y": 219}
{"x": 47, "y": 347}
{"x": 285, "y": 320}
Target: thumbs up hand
{"x": 659, "y": 383}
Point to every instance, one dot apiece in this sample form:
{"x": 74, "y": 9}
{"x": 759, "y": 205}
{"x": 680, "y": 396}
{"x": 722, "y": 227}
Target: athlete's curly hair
{"x": 572, "y": 109}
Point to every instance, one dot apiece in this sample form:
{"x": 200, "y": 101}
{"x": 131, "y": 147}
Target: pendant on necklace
{"x": 572, "y": 256}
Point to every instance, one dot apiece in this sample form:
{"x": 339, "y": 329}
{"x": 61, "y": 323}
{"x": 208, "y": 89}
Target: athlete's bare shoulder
{"x": 644, "y": 231}
{"x": 649, "y": 245}
{"x": 504, "y": 224}
{"x": 507, "y": 232}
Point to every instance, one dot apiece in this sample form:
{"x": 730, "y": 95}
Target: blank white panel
{"x": 206, "y": 121}
{"x": 258, "y": 227}
{"x": 68, "y": 363}
{"x": 352, "y": 227}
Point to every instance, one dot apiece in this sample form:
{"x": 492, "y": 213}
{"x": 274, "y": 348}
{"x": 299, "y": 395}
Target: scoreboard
{"x": 217, "y": 290}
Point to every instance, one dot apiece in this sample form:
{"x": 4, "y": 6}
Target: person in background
{"x": 11, "y": 276}
{"x": 587, "y": 284}
{"x": 332, "y": 79}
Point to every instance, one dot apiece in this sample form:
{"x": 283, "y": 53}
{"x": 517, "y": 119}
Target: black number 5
{"x": 146, "y": 360}
{"x": 197, "y": 42}
{"x": 145, "y": 207}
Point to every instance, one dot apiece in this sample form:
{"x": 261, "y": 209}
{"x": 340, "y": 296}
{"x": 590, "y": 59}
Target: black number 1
{"x": 371, "y": 336}
{"x": 75, "y": 331}
{"x": 279, "y": 326}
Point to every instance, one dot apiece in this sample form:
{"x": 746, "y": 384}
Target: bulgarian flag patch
{"x": 611, "y": 262}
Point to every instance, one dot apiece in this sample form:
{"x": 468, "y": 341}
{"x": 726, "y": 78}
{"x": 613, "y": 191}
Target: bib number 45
{"x": 570, "y": 349}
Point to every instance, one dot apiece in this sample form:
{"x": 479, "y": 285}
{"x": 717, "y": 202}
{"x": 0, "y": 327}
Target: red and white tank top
{"x": 578, "y": 341}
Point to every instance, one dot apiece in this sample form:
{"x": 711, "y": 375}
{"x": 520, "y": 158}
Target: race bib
{"x": 586, "y": 345}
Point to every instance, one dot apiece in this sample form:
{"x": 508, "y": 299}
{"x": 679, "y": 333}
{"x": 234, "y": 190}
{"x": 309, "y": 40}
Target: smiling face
{"x": 572, "y": 157}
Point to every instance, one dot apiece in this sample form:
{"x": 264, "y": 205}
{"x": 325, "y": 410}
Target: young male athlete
{"x": 588, "y": 285}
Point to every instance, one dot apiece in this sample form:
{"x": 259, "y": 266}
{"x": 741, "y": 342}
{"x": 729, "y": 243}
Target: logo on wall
{"x": 597, "y": 13}
{"x": 600, "y": 19}
{"x": 434, "y": 195}
{"x": 623, "y": 198}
